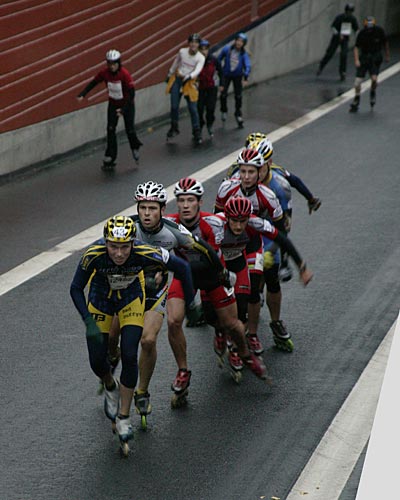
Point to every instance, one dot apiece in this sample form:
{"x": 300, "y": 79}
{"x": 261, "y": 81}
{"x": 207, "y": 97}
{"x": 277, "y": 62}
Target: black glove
{"x": 313, "y": 205}
{"x": 225, "y": 278}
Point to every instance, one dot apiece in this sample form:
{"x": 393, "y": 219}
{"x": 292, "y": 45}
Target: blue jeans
{"x": 175, "y": 100}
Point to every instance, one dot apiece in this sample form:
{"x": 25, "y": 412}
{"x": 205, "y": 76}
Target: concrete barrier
{"x": 296, "y": 36}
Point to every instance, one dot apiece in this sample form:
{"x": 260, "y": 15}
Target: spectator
{"x": 236, "y": 68}
{"x": 208, "y": 89}
{"x": 368, "y": 57}
{"x": 121, "y": 102}
{"x": 182, "y": 78}
{"x": 341, "y": 27}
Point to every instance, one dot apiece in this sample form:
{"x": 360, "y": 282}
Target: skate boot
{"x": 143, "y": 407}
{"x": 113, "y": 360}
{"x": 219, "y": 344}
{"x": 254, "y": 344}
{"x": 281, "y": 336}
{"x": 235, "y": 360}
{"x": 125, "y": 433}
{"x": 108, "y": 163}
{"x": 197, "y": 137}
{"x": 355, "y": 104}
{"x": 111, "y": 401}
{"x": 180, "y": 387}
{"x": 173, "y": 131}
{"x": 239, "y": 121}
{"x": 136, "y": 155}
{"x": 285, "y": 272}
{"x": 372, "y": 98}
{"x": 257, "y": 366}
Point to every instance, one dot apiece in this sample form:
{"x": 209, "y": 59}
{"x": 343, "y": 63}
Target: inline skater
{"x": 236, "y": 67}
{"x": 370, "y": 43}
{"x": 208, "y": 89}
{"x": 115, "y": 268}
{"x": 121, "y": 102}
{"x": 189, "y": 193}
{"x": 253, "y": 140}
{"x": 181, "y": 80}
{"x": 239, "y": 226}
{"x": 265, "y": 205}
{"x": 154, "y": 229}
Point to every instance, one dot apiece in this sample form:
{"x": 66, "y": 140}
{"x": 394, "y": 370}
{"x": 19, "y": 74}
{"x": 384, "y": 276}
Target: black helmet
{"x": 194, "y": 37}
{"x": 349, "y": 7}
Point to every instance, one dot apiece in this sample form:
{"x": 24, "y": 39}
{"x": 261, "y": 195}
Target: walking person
{"x": 370, "y": 43}
{"x": 208, "y": 87}
{"x": 182, "y": 77}
{"x": 121, "y": 102}
{"x": 342, "y": 26}
{"x": 236, "y": 68}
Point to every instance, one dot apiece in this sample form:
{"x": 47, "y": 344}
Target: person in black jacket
{"x": 368, "y": 57}
{"x": 208, "y": 87}
{"x": 342, "y": 26}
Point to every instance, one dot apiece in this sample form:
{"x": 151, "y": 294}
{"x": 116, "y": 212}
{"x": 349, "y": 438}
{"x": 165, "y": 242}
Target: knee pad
{"x": 272, "y": 279}
{"x": 242, "y": 301}
{"x": 254, "y": 297}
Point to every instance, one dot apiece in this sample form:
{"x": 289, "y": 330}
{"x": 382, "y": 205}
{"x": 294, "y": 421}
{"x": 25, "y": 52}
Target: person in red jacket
{"x": 121, "y": 95}
{"x": 208, "y": 88}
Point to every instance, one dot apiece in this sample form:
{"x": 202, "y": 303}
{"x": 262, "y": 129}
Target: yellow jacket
{"x": 189, "y": 89}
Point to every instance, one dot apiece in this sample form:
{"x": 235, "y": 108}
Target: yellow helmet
{"x": 119, "y": 229}
{"x": 254, "y": 136}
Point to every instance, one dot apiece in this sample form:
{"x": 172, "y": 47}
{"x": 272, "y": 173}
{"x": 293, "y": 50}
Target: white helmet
{"x": 186, "y": 185}
{"x": 113, "y": 56}
{"x": 251, "y": 157}
{"x": 151, "y": 191}
{"x": 264, "y": 147}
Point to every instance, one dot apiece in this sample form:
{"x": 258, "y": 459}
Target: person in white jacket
{"x": 181, "y": 80}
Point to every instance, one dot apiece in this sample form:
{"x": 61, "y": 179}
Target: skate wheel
{"x": 143, "y": 422}
{"x": 124, "y": 446}
{"x": 178, "y": 400}
{"x": 237, "y": 376}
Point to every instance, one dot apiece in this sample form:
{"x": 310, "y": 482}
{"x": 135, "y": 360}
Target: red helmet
{"x": 238, "y": 207}
{"x": 251, "y": 157}
{"x": 188, "y": 185}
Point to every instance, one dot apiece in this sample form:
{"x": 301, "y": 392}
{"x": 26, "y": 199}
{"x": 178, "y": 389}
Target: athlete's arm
{"x": 88, "y": 88}
{"x": 76, "y": 291}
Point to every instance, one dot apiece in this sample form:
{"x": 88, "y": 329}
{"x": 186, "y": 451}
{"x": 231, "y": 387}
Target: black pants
{"x": 237, "y": 88}
{"x": 207, "y": 101}
{"x": 112, "y": 121}
{"x": 333, "y": 45}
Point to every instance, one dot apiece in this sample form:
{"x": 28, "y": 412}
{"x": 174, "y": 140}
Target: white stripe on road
{"x": 331, "y": 464}
{"x": 40, "y": 263}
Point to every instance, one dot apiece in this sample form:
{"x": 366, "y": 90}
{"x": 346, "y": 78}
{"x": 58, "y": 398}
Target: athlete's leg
{"x": 274, "y": 293}
{"x": 176, "y": 337}
{"x": 112, "y": 121}
{"x": 148, "y": 355}
{"x": 129, "y": 120}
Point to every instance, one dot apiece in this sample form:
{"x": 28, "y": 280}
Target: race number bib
{"x": 120, "y": 281}
{"x": 115, "y": 90}
{"x": 345, "y": 29}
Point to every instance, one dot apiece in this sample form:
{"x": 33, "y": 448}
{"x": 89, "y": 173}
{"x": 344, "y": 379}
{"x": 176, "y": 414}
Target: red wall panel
{"x": 49, "y": 50}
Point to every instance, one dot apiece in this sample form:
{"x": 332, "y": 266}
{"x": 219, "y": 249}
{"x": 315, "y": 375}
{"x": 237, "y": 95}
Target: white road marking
{"x": 332, "y": 462}
{"x": 40, "y": 263}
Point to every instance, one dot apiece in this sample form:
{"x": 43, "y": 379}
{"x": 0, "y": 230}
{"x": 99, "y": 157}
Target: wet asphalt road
{"x": 231, "y": 442}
